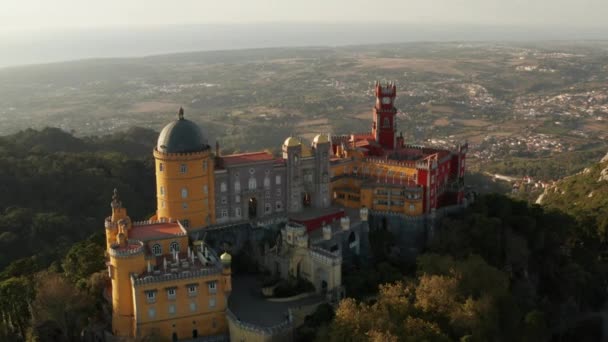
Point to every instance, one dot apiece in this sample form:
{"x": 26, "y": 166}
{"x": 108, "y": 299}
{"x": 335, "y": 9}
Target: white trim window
{"x": 212, "y": 286}
{"x": 212, "y": 302}
{"x": 205, "y": 189}
{"x": 171, "y": 293}
{"x": 184, "y": 193}
{"x": 151, "y": 296}
{"x": 237, "y": 186}
{"x": 162, "y": 190}
{"x": 237, "y": 212}
{"x": 192, "y": 290}
{"x": 174, "y": 247}
{"x": 277, "y": 179}
{"x": 183, "y": 168}
{"x": 267, "y": 182}
{"x": 172, "y": 309}
{"x": 223, "y": 187}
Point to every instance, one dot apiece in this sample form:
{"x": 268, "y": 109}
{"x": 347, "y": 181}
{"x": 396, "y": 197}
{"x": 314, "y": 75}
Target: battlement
{"x": 174, "y": 274}
{"x": 182, "y": 156}
{"x": 132, "y": 248}
{"x": 274, "y": 330}
{"x": 325, "y": 256}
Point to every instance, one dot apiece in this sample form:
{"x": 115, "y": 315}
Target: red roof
{"x": 156, "y": 231}
{"x": 245, "y": 158}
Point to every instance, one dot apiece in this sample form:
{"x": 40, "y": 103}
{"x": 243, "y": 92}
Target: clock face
{"x": 386, "y": 100}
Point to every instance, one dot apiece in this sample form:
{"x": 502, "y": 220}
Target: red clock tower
{"x": 383, "y": 127}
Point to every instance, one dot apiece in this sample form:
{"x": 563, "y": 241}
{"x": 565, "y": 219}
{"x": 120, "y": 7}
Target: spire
{"x": 116, "y": 203}
{"x": 180, "y": 114}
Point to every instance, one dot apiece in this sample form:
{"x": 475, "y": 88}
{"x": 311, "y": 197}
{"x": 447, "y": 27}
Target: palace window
{"x": 237, "y": 212}
{"x": 205, "y": 189}
{"x": 162, "y": 190}
{"x": 157, "y": 249}
{"x": 277, "y": 179}
{"x": 171, "y": 293}
{"x": 412, "y": 207}
{"x": 192, "y": 306}
{"x": 267, "y": 194}
{"x": 223, "y": 186}
{"x": 185, "y": 205}
{"x": 184, "y": 193}
{"x": 237, "y": 186}
{"x": 278, "y": 192}
{"x": 224, "y": 213}
{"x": 174, "y": 247}
{"x": 152, "y": 312}
{"x": 161, "y": 167}
{"x": 267, "y": 208}
{"x": 183, "y": 168}
{"x": 151, "y": 296}
{"x": 192, "y": 290}
{"x": 172, "y": 309}
{"x": 212, "y": 302}
{"x": 186, "y": 223}
{"x": 237, "y": 199}
{"x": 212, "y": 285}
{"x": 267, "y": 182}
{"x": 224, "y": 200}
{"x": 253, "y": 184}
{"x": 387, "y": 122}
{"x": 278, "y": 206}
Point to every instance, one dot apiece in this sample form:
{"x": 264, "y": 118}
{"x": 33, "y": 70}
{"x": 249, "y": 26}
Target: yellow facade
{"x": 185, "y": 187}
{"x": 353, "y": 186}
{"x": 186, "y": 314}
{"x": 123, "y": 262}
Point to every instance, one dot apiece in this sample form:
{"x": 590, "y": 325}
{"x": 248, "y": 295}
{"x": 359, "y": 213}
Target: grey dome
{"x": 181, "y": 136}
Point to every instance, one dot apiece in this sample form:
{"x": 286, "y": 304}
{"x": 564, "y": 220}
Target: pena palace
{"x": 168, "y": 279}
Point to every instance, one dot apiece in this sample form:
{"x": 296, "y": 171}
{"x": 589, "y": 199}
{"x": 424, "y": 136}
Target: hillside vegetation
{"x": 585, "y": 196}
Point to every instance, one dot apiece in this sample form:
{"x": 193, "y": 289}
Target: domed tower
{"x": 184, "y": 174}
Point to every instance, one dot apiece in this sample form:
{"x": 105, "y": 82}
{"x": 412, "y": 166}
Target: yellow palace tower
{"x": 184, "y": 174}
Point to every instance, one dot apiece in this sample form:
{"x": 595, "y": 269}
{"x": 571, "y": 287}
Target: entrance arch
{"x": 306, "y": 200}
{"x": 253, "y": 207}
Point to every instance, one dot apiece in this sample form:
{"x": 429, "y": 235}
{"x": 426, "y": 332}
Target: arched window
{"x": 267, "y": 182}
{"x": 174, "y": 247}
{"x": 184, "y": 193}
{"x": 253, "y": 184}
{"x": 387, "y": 122}
{"x": 157, "y": 249}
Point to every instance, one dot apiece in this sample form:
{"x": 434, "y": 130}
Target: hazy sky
{"x": 44, "y": 14}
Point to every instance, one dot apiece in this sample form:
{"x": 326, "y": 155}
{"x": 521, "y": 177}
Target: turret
{"x": 126, "y": 258}
{"x": 117, "y": 220}
{"x": 226, "y": 260}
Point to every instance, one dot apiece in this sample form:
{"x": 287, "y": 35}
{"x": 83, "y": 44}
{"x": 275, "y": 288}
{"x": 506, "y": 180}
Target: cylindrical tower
{"x": 126, "y": 257}
{"x": 184, "y": 174}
